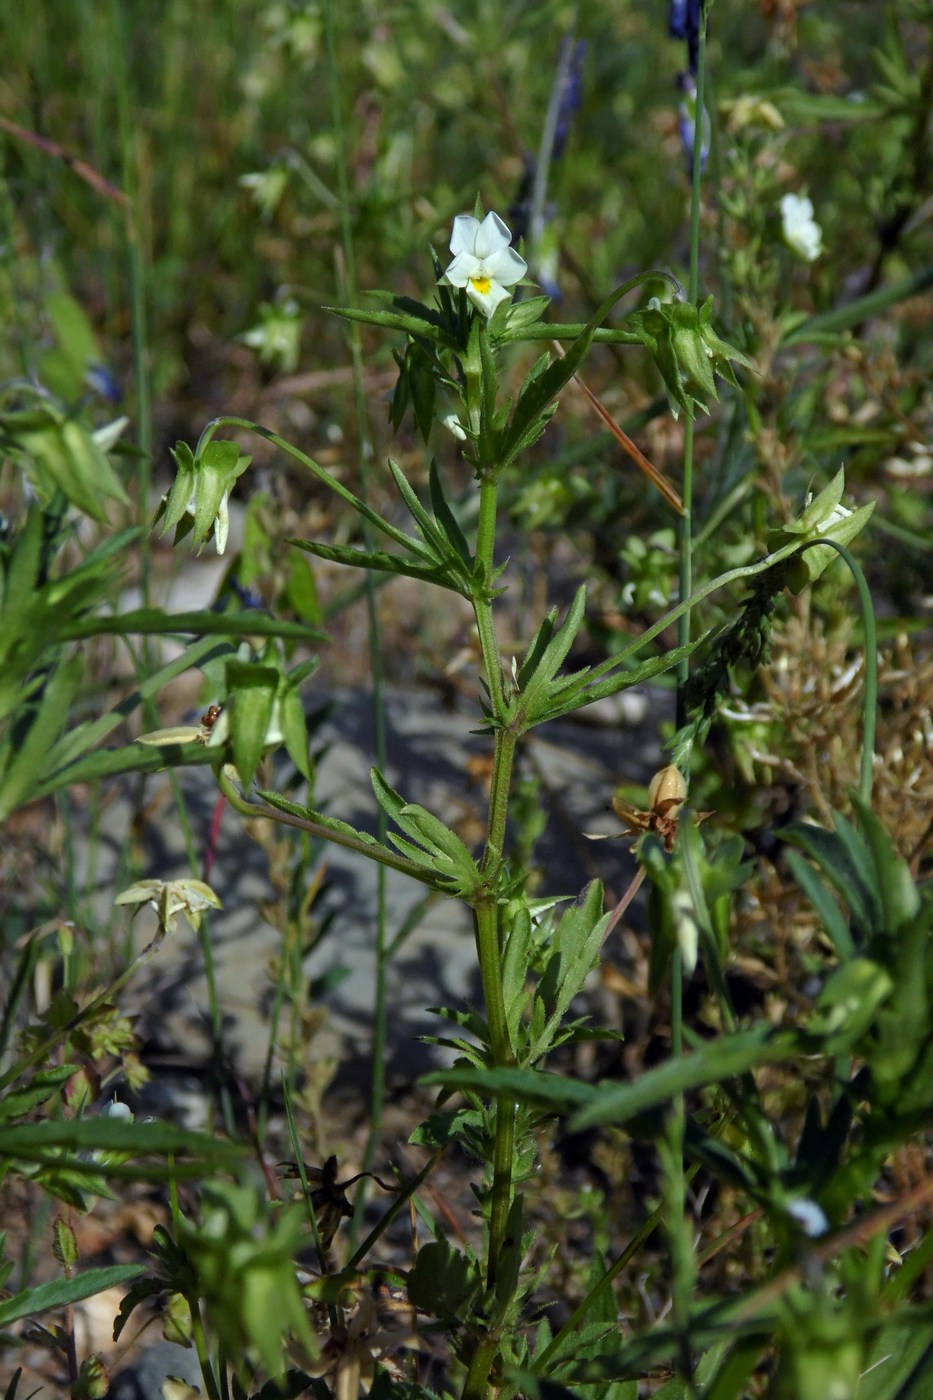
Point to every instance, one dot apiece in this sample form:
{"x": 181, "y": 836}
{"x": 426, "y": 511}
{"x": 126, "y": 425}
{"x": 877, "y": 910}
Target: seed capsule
{"x": 668, "y": 790}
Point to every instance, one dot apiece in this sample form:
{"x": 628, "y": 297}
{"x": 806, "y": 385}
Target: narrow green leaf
{"x": 552, "y": 1091}
{"x": 826, "y": 907}
{"x": 844, "y": 862}
{"x": 43, "y": 1086}
{"x": 853, "y": 313}
{"x": 381, "y": 563}
{"x": 26, "y": 1140}
{"x": 593, "y": 1105}
{"x": 22, "y": 576}
{"x": 446, "y": 518}
{"x": 389, "y": 800}
{"x": 432, "y": 535}
{"x": 898, "y": 894}
{"x": 554, "y": 653}
{"x": 132, "y": 758}
{"x": 61, "y": 1292}
{"x": 29, "y": 765}
{"x": 417, "y": 325}
{"x": 723, "y": 1058}
{"x": 83, "y": 736}
{"x": 574, "y": 952}
{"x": 155, "y": 622}
{"x": 295, "y": 809}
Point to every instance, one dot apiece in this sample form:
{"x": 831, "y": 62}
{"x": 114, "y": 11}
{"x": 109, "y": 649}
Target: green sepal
{"x": 251, "y": 692}
{"x": 688, "y": 352}
{"x": 824, "y": 517}
{"x": 62, "y": 455}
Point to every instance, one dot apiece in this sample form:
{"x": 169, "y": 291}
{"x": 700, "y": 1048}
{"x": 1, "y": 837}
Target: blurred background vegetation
{"x": 182, "y": 184}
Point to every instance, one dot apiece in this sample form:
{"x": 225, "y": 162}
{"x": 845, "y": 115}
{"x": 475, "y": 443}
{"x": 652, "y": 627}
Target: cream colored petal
{"x": 464, "y": 266}
{"x": 505, "y": 266}
{"x": 463, "y": 236}
{"x": 491, "y": 237}
{"x": 487, "y": 301}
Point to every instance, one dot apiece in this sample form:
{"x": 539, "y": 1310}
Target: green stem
{"x": 482, "y": 607}
{"x": 686, "y": 519}
{"x": 503, "y": 759}
{"x": 481, "y": 1363}
{"x": 486, "y": 910}
{"x": 136, "y": 275}
{"x": 349, "y": 293}
{"x": 486, "y": 921}
{"x": 870, "y": 693}
{"x": 200, "y": 1346}
{"x": 677, "y": 1189}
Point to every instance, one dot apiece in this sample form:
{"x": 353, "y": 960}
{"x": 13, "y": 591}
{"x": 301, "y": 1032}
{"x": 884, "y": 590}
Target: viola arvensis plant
{"x": 484, "y": 262}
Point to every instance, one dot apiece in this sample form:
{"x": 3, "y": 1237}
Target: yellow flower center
{"x": 481, "y": 285}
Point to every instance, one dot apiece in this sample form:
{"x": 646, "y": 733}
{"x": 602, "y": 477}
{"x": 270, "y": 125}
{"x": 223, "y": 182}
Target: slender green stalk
{"x": 136, "y": 274}
{"x": 349, "y": 295}
{"x": 295, "y": 1139}
{"x": 503, "y": 759}
{"x": 486, "y": 916}
{"x": 486, "y": 911}
{"x": 385, "y": 1221}
{"x": 870, "y": 693}
{"x": 686, "y": 519}
{"x": 676, "y": 1192}
{"x": 536, "y": 218}
{"x": 199, "y": 1338}
{"x": 481, "y": 1363}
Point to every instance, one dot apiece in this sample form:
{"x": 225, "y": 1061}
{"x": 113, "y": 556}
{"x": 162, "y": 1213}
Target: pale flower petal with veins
{"x": 484, "y": 262}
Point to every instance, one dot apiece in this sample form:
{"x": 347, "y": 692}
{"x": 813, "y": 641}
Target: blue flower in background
{"x": 99, "y": 378}
{"x": 571, "y": 99}
{"x": 687, "y": 115}
{"x": 530, "y": 212}
{"x": 684, "y": 18}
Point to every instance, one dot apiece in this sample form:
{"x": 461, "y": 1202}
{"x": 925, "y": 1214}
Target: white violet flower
{"x": 484, "y": 263}
{"x": 802, "y": 233}
{"x": 809, "y": 1216}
